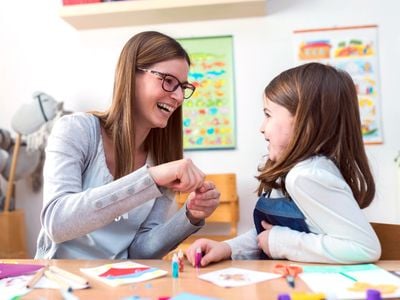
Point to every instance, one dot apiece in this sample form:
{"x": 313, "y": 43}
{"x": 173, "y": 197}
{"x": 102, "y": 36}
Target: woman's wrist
{"x": 193, "y": 220}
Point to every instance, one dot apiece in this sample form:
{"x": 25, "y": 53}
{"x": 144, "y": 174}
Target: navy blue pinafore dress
{"x": 278, "y": 211}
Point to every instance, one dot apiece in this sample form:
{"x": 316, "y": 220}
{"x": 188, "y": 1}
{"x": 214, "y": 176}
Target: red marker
{"x": 181, "y": 260}
{"x": 197, "y": 258}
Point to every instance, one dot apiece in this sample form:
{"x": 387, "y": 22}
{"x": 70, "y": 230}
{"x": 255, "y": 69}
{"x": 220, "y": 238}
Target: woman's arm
{"x": 167, "y": 235}
{"x": 69, "y": 211}
{"x": 164, "y": 234}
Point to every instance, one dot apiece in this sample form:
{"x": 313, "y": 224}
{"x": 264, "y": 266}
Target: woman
{"x": 108, "y": 176}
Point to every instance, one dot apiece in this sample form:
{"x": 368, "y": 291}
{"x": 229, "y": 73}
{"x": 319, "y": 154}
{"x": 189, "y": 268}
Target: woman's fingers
{"x": 181, "y": 175}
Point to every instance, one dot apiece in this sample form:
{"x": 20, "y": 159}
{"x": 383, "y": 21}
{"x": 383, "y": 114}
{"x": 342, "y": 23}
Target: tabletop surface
{"x": 186, "y": 283}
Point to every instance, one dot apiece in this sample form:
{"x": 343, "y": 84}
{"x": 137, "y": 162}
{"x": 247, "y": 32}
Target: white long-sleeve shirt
{"x": 340, "y": 232}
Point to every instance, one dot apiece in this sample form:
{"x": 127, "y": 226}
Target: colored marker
{"x": 175, "y": 266}
{"x": 283, "y": 297}
{"x": 373, "y": 294}
{"x": 307, "y": 296}
{"x": 197, "y": 258}
{"x": 181, "y": 260}
{"x": 290, "y": 280}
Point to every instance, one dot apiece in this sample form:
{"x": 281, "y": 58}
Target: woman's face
{"x": 153, "y": 104}
{"x": 277, "y": 128}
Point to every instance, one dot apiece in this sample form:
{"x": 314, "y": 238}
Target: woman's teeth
{"x": 165, "y": 107}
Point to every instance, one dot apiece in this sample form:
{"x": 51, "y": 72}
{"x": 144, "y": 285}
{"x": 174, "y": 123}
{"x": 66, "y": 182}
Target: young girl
{"x": 316, "y": 179}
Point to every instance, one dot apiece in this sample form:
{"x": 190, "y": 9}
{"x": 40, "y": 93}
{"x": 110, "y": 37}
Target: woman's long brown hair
{"x": 323, "y": 101}
{"x": 163, "y": 144}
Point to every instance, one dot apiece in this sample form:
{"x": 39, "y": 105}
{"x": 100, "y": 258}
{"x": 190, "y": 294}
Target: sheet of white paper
{"x": 16, "y": 286}
{"x": 233, "y": 277}
{"x": 338, "y": 285}
{"x": 13, "y": 286}
{"x": 45, "y": 283}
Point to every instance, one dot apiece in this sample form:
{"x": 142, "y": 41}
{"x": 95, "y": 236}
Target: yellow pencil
{"x": 59, "y": 280}
{"x": 69, "y": 275}
{"x": 35, "y": 278}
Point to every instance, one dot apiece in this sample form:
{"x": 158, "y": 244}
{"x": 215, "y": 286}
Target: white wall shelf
{"x": 141, "y": 12}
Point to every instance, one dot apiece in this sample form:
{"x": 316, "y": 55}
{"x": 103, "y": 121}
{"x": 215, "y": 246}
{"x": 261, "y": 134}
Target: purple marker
{"x": 283, "y": 297}
{"x": 197, "y": 258}
{"x": 373, "y": 295}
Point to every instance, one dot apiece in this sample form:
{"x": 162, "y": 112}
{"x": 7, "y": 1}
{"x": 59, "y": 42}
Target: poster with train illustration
{"x": 209, "y": 115}
{"x": 353, "y": 49}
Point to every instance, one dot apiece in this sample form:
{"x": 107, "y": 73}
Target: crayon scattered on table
{"x": 59, "y": 280}
{"x": 68, "y": 275}
{"x": 39, "y": 274}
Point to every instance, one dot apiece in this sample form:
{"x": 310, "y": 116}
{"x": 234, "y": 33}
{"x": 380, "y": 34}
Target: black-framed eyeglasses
{"x": 170, "y": 83}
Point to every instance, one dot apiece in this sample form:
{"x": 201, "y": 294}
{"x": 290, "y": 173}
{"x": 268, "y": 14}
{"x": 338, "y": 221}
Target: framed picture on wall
{"x": 353, "y": 49}
{"x": 209, "y": 115}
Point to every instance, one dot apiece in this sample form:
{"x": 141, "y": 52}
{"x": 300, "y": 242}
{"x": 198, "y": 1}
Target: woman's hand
{"x": 262, "y": 238}
{"x": 213, "y": 251}
{"x": 179, "y": 175}
{"x": 202, "y": 202}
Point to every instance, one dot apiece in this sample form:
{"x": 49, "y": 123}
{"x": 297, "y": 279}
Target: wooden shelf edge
{"x": 141, "y": 12}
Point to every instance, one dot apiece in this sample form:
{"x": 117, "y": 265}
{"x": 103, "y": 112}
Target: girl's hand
{"x": 202, "y": 202}
{"x": 262, "y": 238}
{"x": 213, "y": 251}
{"x": 179, "y": 175}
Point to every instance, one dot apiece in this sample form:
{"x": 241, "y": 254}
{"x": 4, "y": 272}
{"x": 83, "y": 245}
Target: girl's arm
{"x": 340, "y": 231}
{"x": 245, "y": 246}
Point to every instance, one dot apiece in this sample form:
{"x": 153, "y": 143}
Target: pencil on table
{"x": 35, "y": 278}
{"x": 58, "y": 279}
{"x": 69, "y": 275}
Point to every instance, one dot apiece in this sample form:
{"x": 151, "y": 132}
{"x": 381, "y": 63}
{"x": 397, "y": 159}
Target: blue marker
{"x": 175, "y": 266}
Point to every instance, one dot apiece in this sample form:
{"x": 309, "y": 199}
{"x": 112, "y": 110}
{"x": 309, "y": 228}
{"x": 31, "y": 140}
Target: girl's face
{"x": 277, "y": 128}
{"x": 153, "y": 104}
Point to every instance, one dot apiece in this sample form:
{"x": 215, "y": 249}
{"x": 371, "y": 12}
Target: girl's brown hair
{"x": 323, "y": 101}
{"x": 163, "y": 144}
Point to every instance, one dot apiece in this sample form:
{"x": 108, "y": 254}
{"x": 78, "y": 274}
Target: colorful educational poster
{"x": 353, "y": 49}
{"x": 209, "y": 115}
